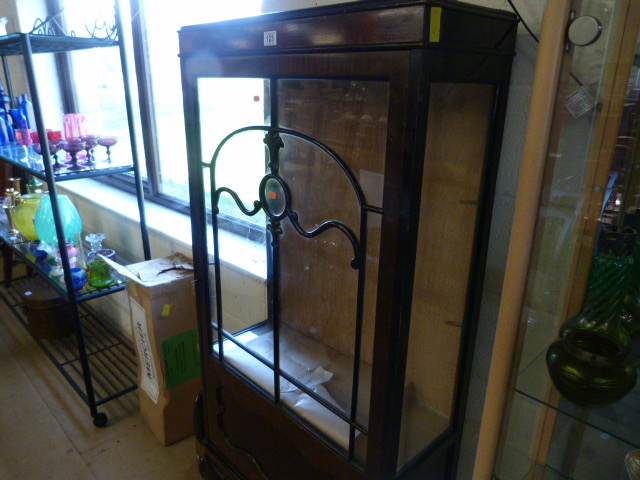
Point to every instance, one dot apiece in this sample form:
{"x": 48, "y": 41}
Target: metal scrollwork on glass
{"x": 275, "y": 195}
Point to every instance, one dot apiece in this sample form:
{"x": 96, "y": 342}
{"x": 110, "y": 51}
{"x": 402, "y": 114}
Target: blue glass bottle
{"x": 5, "y": 103}
{"x": 11, "y": 135}
{"x": 19, "y": 120}
{"x": 4, "y": 136}
{"x": 27, "y": 110}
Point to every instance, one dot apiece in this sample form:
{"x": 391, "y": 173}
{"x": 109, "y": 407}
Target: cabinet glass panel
{"x": 239, "y": 308}
{"x": 301, "y": 329}
{"x": 351, "y": 118}
{"x": 584, "y": 265}
{"x": 577, "y": 450}
{"x": 453, "y": 173}
{"x": 228, "y": 104}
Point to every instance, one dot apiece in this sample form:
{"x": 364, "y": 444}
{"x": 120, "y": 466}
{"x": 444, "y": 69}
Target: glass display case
{"x": 572, "y": 404}
{"x": 342, "y": 163}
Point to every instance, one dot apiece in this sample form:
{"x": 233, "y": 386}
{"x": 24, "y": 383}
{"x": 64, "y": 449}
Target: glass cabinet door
{"x": 305, "y": 198}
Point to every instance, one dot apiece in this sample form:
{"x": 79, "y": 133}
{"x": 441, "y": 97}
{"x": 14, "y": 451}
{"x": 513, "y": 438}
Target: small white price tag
{"x": 270, "y": 39}
{"x": 580, "y": 102}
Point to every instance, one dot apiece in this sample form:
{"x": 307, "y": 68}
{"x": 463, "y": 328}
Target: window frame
{"x": 145, "y": 105}
{"x": 125, "y": 182}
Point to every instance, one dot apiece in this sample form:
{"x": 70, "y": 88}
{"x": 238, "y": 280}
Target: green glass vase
{"x": 631, "y": 319}
{"x": 591, "y": 369}
{"x": 610, "y": 305}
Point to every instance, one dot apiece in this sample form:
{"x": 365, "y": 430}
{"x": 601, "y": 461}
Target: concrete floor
{"x": 46, "y": 431}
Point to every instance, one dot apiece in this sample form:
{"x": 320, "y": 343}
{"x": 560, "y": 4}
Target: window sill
{"x": 161, "y": 220}
{"x": 167, "y": 228}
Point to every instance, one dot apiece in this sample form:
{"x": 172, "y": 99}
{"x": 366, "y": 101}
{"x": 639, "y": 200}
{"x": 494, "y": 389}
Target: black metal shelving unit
{"x": 111, "y": 358}
{"x": 95, "y": 360}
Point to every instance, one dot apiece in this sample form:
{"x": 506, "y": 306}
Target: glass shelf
{"x": 101, "y": 168}
{"x": 567, "y": 459}
{"x": 539, "y": 472}
{"x": 618, "y": 420}
{"x": 12, "y": 44}
{"x": 24, "y": 248}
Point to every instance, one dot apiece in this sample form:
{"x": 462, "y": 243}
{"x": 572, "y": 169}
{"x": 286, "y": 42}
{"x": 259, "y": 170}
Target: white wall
{"x": 506, "y": 190}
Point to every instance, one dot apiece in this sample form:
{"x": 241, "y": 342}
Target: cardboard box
{"x": 48, "y": 314}
{"x": 163, "y": 318}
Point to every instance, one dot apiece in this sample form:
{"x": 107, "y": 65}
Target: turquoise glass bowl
{"x": 45, "y": 225}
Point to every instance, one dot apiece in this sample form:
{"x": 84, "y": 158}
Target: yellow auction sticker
{"x": 434, "y": 27}
{"x": 166, "y": 310}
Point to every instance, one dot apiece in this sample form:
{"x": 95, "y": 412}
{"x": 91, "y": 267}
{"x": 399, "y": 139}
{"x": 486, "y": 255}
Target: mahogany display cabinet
{"x": 342, "y": 163}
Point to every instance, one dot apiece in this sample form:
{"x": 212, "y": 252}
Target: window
{"x": 94, "y": 85}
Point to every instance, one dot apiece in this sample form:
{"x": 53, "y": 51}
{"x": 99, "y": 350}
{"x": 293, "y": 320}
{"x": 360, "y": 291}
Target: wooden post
{"x": 552, "y": 42}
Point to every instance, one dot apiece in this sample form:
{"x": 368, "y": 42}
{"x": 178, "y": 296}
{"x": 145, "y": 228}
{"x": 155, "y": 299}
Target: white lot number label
{"x": 270, "y": 39}
{"x": 146, "y": 362}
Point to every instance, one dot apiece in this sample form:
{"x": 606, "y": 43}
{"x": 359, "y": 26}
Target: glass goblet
{"x": 55, "y": 137}
{"x": 91, "y": 141}
{"x": 73, "y": 145}
{"x": 37, "y": 147}
{"x": 23, "y": 135}
{"x": 53, "y": 150}
{"x": 26, "y": 139}
{"x": 108, "y": 141}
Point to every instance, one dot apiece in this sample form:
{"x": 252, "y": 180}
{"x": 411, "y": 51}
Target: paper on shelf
{"x": 318, "y": 415}
{"x": 306, "y": 406}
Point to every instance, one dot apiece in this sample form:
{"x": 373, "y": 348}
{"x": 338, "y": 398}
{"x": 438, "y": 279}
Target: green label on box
{"x": 181, "y": 358}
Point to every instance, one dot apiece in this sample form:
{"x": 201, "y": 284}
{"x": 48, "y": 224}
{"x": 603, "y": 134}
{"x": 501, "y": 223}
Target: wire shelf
{"x": 12, "y": 45}
{"x": 112, "y": 359}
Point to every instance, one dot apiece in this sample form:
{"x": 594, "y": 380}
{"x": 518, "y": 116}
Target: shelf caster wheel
{"x": 100, "y": 420}
{"x": 208, "y": 471}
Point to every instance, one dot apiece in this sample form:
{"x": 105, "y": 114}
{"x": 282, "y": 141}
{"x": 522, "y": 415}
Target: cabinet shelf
{"x": 606, "y": 458}
{"x": 539, "y": 472}
{"x": 618, "y": 420}
{"x": 112, "y": 360}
